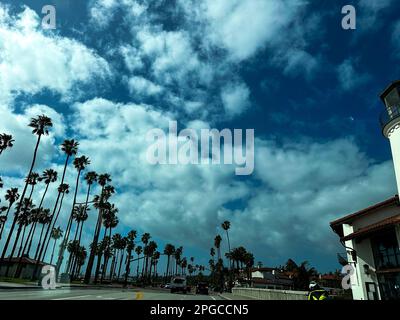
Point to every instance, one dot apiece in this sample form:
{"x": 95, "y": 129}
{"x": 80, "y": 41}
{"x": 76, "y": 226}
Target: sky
{"x": 113, "y": 70}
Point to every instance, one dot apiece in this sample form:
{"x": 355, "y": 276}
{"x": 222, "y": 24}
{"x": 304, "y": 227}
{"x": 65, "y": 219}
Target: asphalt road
{"x": 98, "y": 294}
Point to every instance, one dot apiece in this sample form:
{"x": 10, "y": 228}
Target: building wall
{"x": 364, "y": 257}
{"x": 375, "y": 217}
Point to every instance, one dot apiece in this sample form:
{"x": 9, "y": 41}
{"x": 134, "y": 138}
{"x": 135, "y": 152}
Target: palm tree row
{"x": 33, "y": 225}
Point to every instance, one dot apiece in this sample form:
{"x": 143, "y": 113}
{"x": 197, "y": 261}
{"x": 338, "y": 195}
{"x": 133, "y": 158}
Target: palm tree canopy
{"x": 32, "y": 179}
{"x": 63, "y": 188}
{"x": 40, "y": 125}
{"x": 56, "y": 233}
{"x": 226, "y": 225}
{"x": 6, "y": 141}
{"x": 91, "y": 177}
{"x": 48, "y": 176}
{"x": 79, "y": 213}
{"x": 12, "y": 195}
{"x": 80, "y": 163}
{"x": 103, "y": 179}
{"x": 169, "y": 249}
{"x": 70, "y": 147}
{"x": 217, "y": 241}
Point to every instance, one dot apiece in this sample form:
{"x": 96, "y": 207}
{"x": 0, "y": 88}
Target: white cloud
{"x": 235, "y": 98}
{"x": 141, "y": 85}
{"x": 31, "y": 61}
{"x": 243, "y": 27}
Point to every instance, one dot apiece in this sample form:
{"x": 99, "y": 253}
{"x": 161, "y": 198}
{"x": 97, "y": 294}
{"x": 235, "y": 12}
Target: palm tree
{"x": 70, "y": 148}
{"x": 44, "y": 219}
{"x": 48, "y": 176}
{"x": 130, "y": 245}
{"x": 80, "y": 260}
{"x": 23, "y": 209}
{"x": 138, "y": 251}
{"x": 80, "y": 216}
{"x": 56, "y": 233}
{"x": 177, "y": 255}
{"x": 151, "y": 248}
{"x": 217, "y": 244}
{"x": 11, "y": 196}
{"x": 226, "y": 225}
{"x": 110, "y": 221}
{"x": 169, "y": 250}
{"x": 103, "y": 180}
{"x": 40, "y": 127}
{"x": 80, "y": 164}
{"x": 145, "y": 240}
{"x": 6, "y": 141}
{"x": 116, "y": 243}
{"x": 122, "y": 246}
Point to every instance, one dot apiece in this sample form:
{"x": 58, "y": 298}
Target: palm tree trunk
{"x": 68, "y": 229}
{"x": 51, "y": 226}
{"x": 72, "y": 254}
{"x": 127, "y": 268}
{"x": 10, "y": 233}
{"x": 120, "y": 263}
{"x": 22, "y": 241}
{"x": 167, "y": 273}
{"x": 52, "y": 252}
{"x": 46, "y": 242}
{"x": 4, "y": 225}
{"x": 92, "y": 255}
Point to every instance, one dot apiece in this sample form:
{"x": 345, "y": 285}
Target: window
{"x": 386, "y": 250}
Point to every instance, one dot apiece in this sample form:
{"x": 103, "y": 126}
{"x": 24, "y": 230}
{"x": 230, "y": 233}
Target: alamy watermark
{"x": 190, "y": 147}
{"x": 49, "y": 279}
{"x": 49, "y": 20}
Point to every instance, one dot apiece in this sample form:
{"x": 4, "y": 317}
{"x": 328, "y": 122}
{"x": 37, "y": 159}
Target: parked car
{"x": 178, "y": 284}
{"x": 167, "y": 286}
{"x": 202, "y": 288}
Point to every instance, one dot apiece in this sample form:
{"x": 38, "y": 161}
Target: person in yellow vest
{"x": 316, "y": 292}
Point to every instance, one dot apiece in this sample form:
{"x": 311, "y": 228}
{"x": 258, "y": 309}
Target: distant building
{"x": 270, "y": 278}
{"x": 371, "y": 236}
{"x": 27, "y": 266}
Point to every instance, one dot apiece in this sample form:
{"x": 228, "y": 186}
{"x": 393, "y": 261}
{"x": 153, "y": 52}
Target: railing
{"x": 389, "y": 114}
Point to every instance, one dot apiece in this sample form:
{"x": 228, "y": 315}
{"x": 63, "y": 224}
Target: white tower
{"x": 390, "y": 122}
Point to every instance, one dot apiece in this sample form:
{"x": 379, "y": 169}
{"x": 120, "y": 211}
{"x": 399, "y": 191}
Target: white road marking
{"x": 74, "y": 297}
{"x": 213, "y": 298}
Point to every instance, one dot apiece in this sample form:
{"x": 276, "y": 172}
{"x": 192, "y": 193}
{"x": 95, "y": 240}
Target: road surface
{"x": 98, "y": 294}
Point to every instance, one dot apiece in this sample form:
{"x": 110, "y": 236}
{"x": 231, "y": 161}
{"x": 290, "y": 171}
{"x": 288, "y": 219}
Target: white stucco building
{"x": 371, "y": 236}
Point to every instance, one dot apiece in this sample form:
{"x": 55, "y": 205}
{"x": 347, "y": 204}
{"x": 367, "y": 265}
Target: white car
{"x": 178, "y": 284}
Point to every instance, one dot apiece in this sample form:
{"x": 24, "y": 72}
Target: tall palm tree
{"x": 169, "y": 250}
{"x": 23, "y": 209}
{"x": 103, "y": 180}
{"x": 70, "y": 148}
{"x": 44, "y": 219}
{"x": 138, "y": 251}
{"x": 145, "y": 240}
{"x": 6, "y": 141}
{"x": 122, "y": 246}
{"x": 56, "y": 233}
{"x": 80, "y": 216}
{"x": 62, "y": 189}
{"x": 177, "y": 255}
{"x": 151, "y": 248}
{"x": 11, "y": 196}
{"x": 226, "y": 225}
{"x": 48, "y": 176}
{"x": 130, "y": 245}
{"x": 110, "y": 222}
{"x": 80, "y": 164}
{"x": 116, "y": 243}
{"x": 217, "y": 244}
{"x": 40, "y": 126}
